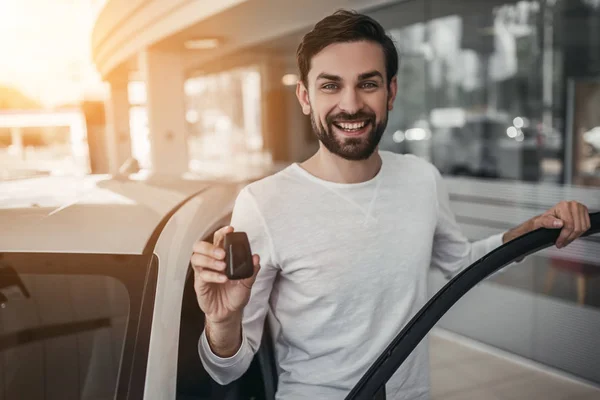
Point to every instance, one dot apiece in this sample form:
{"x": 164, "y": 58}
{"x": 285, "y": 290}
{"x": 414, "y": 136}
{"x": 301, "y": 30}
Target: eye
{"x": 329, "y": 87}
{"x": 369, "y": 85}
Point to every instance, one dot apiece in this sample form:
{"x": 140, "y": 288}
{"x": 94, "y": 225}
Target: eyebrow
{"x": 371, "y": 74}
{"x": 361, "y": 77}
{"x": 329, "y": 77}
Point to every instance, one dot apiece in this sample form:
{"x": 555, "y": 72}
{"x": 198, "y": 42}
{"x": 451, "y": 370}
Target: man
{"x": 345, "y": 238}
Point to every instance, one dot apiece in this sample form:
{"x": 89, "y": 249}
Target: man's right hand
{"x": 222, "y": 300}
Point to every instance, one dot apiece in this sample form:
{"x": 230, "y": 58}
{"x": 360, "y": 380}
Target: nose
{"x": 350, "y": 101}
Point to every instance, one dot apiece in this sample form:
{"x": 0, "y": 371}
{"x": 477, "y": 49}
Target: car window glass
{"x": 63, "y": 337}
{"x": 66, "y": 328}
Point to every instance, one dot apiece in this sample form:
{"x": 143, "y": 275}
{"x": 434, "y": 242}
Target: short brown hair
{"x": 345, "y": 26}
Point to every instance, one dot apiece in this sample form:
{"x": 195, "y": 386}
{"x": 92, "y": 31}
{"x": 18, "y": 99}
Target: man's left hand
{"x": 571, "y": 217}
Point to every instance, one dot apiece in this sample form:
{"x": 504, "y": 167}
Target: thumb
{"x": 550, "y": 222}
{"x": 220, "y": 235}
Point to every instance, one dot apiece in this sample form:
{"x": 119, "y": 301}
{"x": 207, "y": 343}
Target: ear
{"x": 393, "y": 90}
{"x": 303, "y": 98}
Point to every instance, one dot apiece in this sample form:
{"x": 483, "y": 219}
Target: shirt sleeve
{"x": 247, "y": 218}
{"x": 452, "y": 251}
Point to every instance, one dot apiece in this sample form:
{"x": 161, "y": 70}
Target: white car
{"x": 96, "y": 294}
{"x": 97, "y": 298}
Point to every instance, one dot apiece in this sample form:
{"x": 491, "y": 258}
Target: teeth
{"x": 352, "y": 126}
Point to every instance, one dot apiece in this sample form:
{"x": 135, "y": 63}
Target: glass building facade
{"x": 499, "y": 89}
{"x": 504, "y": 98}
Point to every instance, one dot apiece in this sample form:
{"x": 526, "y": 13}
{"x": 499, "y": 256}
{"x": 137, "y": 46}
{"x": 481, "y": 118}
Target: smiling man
{"x": 342, "y": 241}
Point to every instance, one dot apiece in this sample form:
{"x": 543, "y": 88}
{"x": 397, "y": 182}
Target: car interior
{"x": 194, "y": 383}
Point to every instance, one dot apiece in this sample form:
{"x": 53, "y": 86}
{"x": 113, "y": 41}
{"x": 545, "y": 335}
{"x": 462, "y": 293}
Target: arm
{"x": 226, "y": 348}
{"x": 452, "y": 251}
{"x": 571, "y": 217}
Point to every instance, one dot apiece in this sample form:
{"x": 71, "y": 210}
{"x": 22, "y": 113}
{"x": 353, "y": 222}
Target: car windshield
{"x": 64, "y": 323}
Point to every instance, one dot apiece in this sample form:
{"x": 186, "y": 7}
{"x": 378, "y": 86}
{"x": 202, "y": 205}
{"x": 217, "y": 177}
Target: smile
{"x": 350, "y": 126}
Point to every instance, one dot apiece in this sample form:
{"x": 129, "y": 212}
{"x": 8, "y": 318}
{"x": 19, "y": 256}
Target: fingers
{"x": 220, "y": 235}
{"x": 205, "y": 262}
{"x": 211, "y": 270}
{"x": 575, "y": 217}
{"x": 577, "y": 223}
{"x": 579, "y": 215}
{"x": 207, "y": 269}
{"x": 208, "y": 259}
{"x": 214, "y": 249}
{"x": 248, "y": 282}
{"x": 209, "y": 276}
{"x": 588, "y": 222}
{"x": 584, "y": 215}
{"x": 549, "y": 221}
{"x": 208, "y": 249}
{"x": 562, "y": 212}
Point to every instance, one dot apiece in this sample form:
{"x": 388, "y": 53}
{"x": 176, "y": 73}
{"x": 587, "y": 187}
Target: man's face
{"x": 348, "y": 98}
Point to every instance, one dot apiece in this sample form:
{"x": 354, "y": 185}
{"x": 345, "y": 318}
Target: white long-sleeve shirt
{"x": 343, "y": 269}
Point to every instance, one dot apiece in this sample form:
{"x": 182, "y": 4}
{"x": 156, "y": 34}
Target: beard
{"x": 350, "y": 148}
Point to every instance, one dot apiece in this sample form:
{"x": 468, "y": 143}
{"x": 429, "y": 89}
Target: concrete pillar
{"x": 95, "y": 127}
{"x": 118, "y": 137}
{"x": 302, "y": 142}
{"x": 275, "y": 129}
{"x": 16, "y": 137}
{"x": 164, "y": 75}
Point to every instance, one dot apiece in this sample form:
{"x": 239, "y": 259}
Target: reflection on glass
{"x": 586, "y": 133}
{"x": 40, "y": 142}
{"x": 471, "y": 77}
{"x": 224, "y": 115}
{"x": 61, "y": 336}
{"x": 499, "y": 91}
{"x": 409, "y": 106}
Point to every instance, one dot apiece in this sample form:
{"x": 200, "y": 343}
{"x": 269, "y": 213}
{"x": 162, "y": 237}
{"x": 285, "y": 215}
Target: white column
{"x": 118, "y": 138}
{"x": 164, "y": 75}
{"x": 16, "y": 137}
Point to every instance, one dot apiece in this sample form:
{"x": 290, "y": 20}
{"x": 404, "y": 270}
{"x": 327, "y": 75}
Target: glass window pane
{"x": 500, "y": 91}
{"x": 484, "y": 88}
{"x": 224, "y": 116}
{"x": 63, "y": 325}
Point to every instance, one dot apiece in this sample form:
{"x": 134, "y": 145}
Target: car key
{"x": 238, "y": 256}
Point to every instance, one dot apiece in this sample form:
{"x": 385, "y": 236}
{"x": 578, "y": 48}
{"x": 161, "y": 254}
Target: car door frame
{"x": 196, "y": 218}
{"x": 373, "y": 382}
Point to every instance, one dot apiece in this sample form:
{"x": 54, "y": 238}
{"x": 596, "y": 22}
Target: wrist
{"x": 224, "y": 322}
{"x": 224, "y": 337}
{"x": 518, "y": 231}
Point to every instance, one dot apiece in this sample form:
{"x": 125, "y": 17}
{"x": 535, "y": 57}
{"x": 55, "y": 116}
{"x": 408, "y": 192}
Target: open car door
{"x": 372, "y": 384}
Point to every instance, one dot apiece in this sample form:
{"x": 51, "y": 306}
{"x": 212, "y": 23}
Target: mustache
{"x": 362, "y": 115}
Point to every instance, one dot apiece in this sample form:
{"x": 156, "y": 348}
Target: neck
{"x": 333, "y": 168}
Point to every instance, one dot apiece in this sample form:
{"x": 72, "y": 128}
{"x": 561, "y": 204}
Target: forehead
{"x": 348, "y": 60}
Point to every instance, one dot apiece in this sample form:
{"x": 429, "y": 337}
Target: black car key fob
{"x": 238, "y": 256}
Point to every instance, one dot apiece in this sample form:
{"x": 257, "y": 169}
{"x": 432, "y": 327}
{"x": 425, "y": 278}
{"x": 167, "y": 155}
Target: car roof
{"x": 90, "y": 214}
